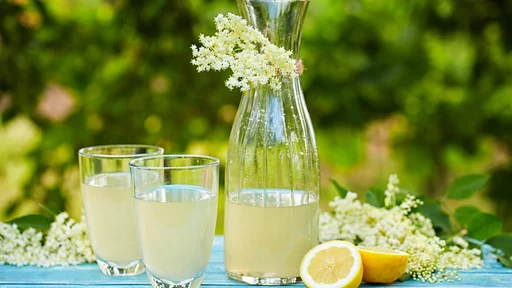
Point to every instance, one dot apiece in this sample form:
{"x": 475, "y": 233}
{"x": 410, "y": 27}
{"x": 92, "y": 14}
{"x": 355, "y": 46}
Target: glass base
{"x": 161, "y": 283}
{"x": 265, "y": 281}
{"x": 134, "y": 268}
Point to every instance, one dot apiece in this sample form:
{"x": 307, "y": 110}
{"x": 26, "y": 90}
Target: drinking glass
{"x": 108, "y": 204}
{"x": 175, "y": 210}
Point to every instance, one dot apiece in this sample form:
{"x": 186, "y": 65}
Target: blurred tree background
{"x": 420, "y": 88}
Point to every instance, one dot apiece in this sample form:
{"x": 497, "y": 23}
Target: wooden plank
{"x": 215, "y": 275}
{"x": 210, "y": 286}
{"x": 492, "y": 275}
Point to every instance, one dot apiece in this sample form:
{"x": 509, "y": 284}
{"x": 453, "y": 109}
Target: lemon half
{"x": 382, "y": 265}
{"x": 333, "y": 264}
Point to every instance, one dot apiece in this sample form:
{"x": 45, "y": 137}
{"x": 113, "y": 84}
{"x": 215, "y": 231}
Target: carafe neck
{"x": 279, "y": 20}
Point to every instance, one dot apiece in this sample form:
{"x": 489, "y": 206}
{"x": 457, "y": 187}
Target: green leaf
{"x": 432, "y": 210}
{"x": 502, "y": 242}
{"x": 35, "y": 221}
{"x": 505, "y": 260}
{"x": 464, "y": 214}
{"x": 483, "y": 226}
{"x": 50, "y": 209}
{"x": 466, "y": 186}
{"x": 341, "y": 191}
{"x": 375, "y": 197}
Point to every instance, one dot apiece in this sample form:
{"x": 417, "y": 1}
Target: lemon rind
{"x": 394, "y": 252}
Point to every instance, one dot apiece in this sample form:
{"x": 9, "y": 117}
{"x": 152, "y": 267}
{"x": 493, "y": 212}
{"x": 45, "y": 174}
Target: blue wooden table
{"x": 492, "y": 275}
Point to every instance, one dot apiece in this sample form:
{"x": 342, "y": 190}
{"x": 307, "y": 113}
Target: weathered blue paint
{"x": 492, "y": 275}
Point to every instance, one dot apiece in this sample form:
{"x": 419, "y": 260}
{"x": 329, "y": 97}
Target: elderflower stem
{"x": 451, "y": 214}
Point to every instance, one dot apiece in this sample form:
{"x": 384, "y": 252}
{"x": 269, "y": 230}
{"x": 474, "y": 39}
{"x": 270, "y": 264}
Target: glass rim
{"x": 214, "y": 162}
{"x": 89, "y": 151}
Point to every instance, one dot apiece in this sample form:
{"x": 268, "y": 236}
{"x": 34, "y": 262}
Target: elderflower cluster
{"x": 395, "y": 227}
{"x": 244, "y": 50}
{"x": 66, "y": 243}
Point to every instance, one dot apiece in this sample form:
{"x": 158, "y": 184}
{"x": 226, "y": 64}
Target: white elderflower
{"x": 395, "y": 227}
{"x": 422, "y": 224}
{"x": 392, "y": 190}
{"x": 460, "y": 241}
{"x": 248, "y": 53}
{"x": 66, "y": 243}
{"x": 410, "y": 202}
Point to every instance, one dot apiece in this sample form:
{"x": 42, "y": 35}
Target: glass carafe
{"x": 272, "y": 177}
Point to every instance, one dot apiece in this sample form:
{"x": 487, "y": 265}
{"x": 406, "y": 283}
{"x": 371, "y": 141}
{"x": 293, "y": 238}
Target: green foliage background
{"x": 419, "y": 88}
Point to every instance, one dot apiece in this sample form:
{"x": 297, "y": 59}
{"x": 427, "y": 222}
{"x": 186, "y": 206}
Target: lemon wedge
{"x": 333, "y": 264}
{"x": 382, "y": 265}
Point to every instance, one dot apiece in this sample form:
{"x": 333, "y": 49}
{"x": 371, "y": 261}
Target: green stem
{"x": 451, "y": 214}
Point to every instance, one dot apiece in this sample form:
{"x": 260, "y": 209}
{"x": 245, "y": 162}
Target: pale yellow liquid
{"x": 108, "y": 205}
{"x": 176, "y": 225}
{"x": 269, "y": 241}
